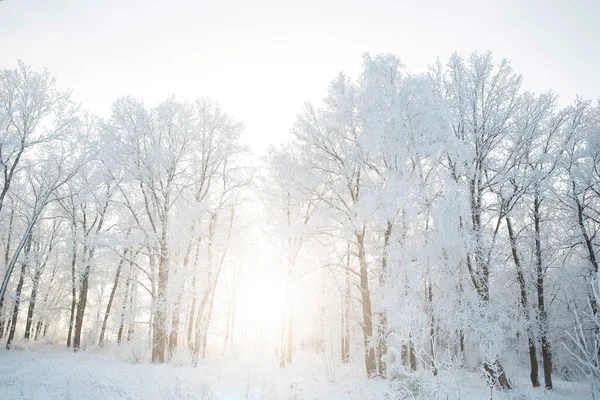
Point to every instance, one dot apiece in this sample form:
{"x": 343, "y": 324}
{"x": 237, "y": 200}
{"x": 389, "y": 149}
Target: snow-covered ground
{"x": 43, "y": 373}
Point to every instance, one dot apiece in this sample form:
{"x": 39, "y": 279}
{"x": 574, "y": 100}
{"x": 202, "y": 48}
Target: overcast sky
{"x": 263, "y": 59}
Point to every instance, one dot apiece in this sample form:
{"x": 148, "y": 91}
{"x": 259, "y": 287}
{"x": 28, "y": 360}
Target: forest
{"x": 409, "y": 226}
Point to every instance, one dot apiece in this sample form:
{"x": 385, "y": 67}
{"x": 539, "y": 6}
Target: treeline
{"x": 460, "y": 212}
{"x": 447, "y": 218}
{"x": 137, "y": 209}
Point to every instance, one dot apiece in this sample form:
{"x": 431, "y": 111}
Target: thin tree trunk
{"x": 346, "y": 312}
{"x": 15, "y": 315}
{"x": 546, "y": 349}
{"x": 533, "y": 361}
{"x": 159, "y": 339}
{"x": 124, "y": 307}
{"x": 480, "y": 274}
{"x": 36, "y": 281}
{"x": 382, "y": 327}
{"x": 112, "y": 296}
{"x": 175, "y": 317}
{"x": 219, "y": 269}
{"x": 6, "y": 260}
{"x": 412, "y": 356}
{"x": 73, "y": 284}
{"x": 593, "y": 262}
{"x": 190, "y": 330}
{"x": 198, "y": 336}
{"x": 31, "y": 308}
{"x": 209, "y": 316}
{"x": 81, "y": 305}
{"x": 431, "y": 329}
{"x": 38, "y": 330}
{"x": 370, "y": 362}
{"x": 132, "y": 306}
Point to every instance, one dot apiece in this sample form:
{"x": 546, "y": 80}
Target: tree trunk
{"x": 15, "y": 315}
{"x": 533, "y": 361}
{"x": 546, "y": 350}
{"x": 73, "y": 285}
{"x": 123, "y": 312}
{"x": 111, "y": 298}
{"x": 81, "y": 306}
{"x": 159, "y": 338}
{"x": 175, "y": 317}
{"x": 431, "y": 329}
{"x": 370, "y": 362}
{"x": 38, "y": 330}
{"x": 132, "y": 306}
{"x": 198, "y": 336}
{"x": 412, "y": 356}
{"x": 190, "y": 330}
{"x": 479, "y": 272}
{"x": 6, "y": 260}
{"x": 346, "y": 313}
{"x": 209, "y": 316}
{"x": 1, "y": 322}
{"x": 495, "y": 375}
{"x": 589, "y": 244}
{"x": 382, "y": 327}
{"x": 31, "y": 308}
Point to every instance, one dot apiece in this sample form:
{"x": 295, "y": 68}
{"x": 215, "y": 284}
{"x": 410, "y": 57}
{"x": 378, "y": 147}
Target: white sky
{"x": 263, "y": 59}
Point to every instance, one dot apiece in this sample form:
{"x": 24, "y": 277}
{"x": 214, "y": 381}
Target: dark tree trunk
{"x": 73, "y": 287}
{"x": 495, "y": 375}
{"x": 81, "y": 306}
{"x": 38, "y": 330}
{"x": 132, "y": 308}
{"x": 124, "y": 309}
{"x": 6, "y": 261}
{"x": 111, "y": 298}
{"x": 15, "y": 315}
{"x": 412, "y": 356}
{"x": 2, "y": 322}
{"x": 546, "y": 349}
{"x": 31, "y": 308}
{"x": 533, "y": 361}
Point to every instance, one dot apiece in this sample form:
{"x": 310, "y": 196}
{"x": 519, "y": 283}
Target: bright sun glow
{"x": 262, "y": 306}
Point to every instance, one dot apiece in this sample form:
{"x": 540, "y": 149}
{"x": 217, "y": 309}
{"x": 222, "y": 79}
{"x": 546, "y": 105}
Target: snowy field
{"x": 61, "y": 374}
